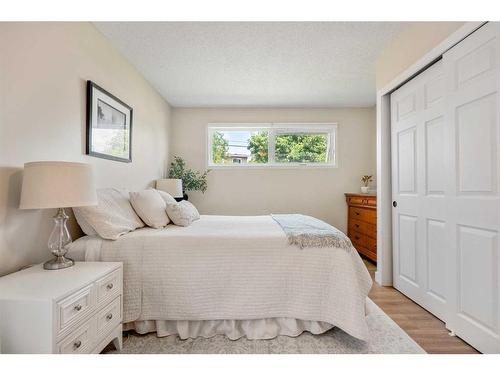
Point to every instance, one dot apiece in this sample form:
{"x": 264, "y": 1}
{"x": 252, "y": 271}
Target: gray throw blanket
{"x": 307, "y": 231}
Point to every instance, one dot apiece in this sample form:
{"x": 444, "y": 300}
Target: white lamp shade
{"x": 173, "y": 186}
{"x": 57, "y": 184}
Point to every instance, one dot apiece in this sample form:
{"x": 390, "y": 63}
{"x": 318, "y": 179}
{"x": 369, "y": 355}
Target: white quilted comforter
{"x": 236, "y": 267}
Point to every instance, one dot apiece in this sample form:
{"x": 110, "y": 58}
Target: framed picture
{"x": 109, "y": 125}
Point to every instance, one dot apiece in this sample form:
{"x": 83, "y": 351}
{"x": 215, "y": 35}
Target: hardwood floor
{"x": 423, "y": 327}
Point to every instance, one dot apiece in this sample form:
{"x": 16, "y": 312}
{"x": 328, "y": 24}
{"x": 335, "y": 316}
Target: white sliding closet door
{"x": 419, "y": 146}
{"x": 473, "y": 179}
{"x": 446, "y": 182}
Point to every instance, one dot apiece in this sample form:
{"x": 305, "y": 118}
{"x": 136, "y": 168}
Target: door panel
{"x": 476, "y": 145}
{"x": 406, "y": 161}
{"x": 472, "y": 80}
{"x": 419, "y": 187}
{"x": 476, "y": 62}
{"x": 435, "y": 156}
{"x": 478, "y": 282}
{"x": 436, "y": 259}
{"x": 408, "y": 248}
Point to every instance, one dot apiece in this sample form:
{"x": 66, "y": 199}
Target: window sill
{"x": 273, "y": 166}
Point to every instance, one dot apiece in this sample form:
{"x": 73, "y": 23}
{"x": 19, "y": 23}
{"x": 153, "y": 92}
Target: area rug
{"x": 386, "y": 338}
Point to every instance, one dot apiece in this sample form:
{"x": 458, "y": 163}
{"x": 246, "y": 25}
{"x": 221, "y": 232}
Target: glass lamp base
{"x": 58, "y": 263}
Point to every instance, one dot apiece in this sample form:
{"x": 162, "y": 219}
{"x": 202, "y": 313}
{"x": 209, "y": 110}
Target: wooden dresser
{"x": 362, "y": 223}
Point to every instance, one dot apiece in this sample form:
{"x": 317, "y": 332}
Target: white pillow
{"x": 182, "y": 213}
{"x": 86, "y": 227}
{"x": 166, "y": 196}
{"x": 113, "y": 215}
{"x": 150, "y": 207}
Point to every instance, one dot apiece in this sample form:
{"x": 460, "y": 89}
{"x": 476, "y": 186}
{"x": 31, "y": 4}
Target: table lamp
{"x": 173, "y": 186}
{"x": 57, "y": 184}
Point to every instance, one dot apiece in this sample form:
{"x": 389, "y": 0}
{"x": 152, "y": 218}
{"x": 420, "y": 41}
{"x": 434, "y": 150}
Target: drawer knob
{"x": 357, "y": 213}
{"x": 78, "y": 307}
{"x": 109, "y": 316}
{"x": 77, "y": 344}
{"x": 356, "y": 237}
{"x": 110, "y": 286}
{"x": 356, "y": 225}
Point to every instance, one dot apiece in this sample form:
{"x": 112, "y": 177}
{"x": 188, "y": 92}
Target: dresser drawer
{"x": 74, "y": 307}
{"x": 357, "y": 226}
{"x": 371, "y": 231}
{"x": 363, "y": 214}
{"x": 109, "y": 286}
{"x": 371, "y": 244}
{"x": 109, "y": 317}
{"x": 358, "y": 240}
{"x": 79, "y": 342}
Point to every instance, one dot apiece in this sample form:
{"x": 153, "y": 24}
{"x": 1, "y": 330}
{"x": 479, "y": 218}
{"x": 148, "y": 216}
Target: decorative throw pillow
{"x": 150, "y": 207}
{"x": 113, "y": 215}
{"x": 182, "y": 213}
{"x": 166, "y": 196}
{"x": 86, "y": 227}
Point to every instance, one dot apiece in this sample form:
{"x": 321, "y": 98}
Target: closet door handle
{"x": 394, "y": 203}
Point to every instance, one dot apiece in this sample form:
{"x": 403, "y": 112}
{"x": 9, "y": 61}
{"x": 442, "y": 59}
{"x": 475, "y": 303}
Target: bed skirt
{"x": 233, "y": 329}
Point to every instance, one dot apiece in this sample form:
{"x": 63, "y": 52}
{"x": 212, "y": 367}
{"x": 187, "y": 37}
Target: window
{"x": 271, "y": 145}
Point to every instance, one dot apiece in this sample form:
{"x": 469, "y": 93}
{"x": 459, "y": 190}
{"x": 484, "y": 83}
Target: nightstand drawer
{"x": 109, "y": 317}
{"x": 79, "y": 342}
{"x": 75, "y": 306}
{"x": 109, "y": 286}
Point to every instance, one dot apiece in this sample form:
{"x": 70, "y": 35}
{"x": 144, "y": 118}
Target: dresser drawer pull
{"x": 356, "y": 237}
{"x": 356, "y": 225}
{"x": 78, "y": 307}
{"x": 77, "y": 344}
{"x": 356, "y": 212}
{"x": 109, "y": 316}
{"x": 110, "y": 286}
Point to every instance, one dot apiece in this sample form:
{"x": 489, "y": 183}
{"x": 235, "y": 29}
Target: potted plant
{"x": 191, "y": 180}
{"x": 366, "y": 181}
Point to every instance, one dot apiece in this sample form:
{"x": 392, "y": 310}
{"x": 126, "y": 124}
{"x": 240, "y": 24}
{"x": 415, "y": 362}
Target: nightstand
{"x": 73, "y": 310}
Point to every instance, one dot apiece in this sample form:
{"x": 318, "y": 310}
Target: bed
{"x": 233, "y": 275}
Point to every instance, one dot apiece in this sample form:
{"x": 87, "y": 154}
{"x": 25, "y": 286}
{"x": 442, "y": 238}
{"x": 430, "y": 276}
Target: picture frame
{"x": 109, "y": 125}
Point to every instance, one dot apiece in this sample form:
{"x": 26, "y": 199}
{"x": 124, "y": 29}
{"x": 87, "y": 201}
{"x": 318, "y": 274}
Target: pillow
{"x": 150, "y": 207}
{"x": 182, "y": 213}
{"x": 113, "y": 215}
{"x": 166, "y": 196}
{"x": 86, "y": 227}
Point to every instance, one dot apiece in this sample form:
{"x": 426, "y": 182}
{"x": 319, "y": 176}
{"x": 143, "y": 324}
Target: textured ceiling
{"x": 278, "y": 64}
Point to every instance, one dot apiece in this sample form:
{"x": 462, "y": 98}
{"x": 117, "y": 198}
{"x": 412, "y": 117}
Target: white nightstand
{"x": 73, "y": 310}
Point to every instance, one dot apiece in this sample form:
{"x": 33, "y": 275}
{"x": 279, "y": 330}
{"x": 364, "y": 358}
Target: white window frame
{"x": 273, "y": 129}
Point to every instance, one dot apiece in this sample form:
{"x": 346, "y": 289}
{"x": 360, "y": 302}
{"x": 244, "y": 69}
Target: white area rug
{"x": 386, "y": 338}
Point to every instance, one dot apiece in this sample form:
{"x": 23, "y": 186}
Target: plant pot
{"x": 364, "y": 189}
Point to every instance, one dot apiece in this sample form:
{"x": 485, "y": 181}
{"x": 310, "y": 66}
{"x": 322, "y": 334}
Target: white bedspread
{"x": 235, "y": 267}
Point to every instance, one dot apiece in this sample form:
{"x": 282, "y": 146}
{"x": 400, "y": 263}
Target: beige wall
{"x": 411, "y": 44}
{"x": 318, "y": 192}
{"x": 43, "y": 70}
